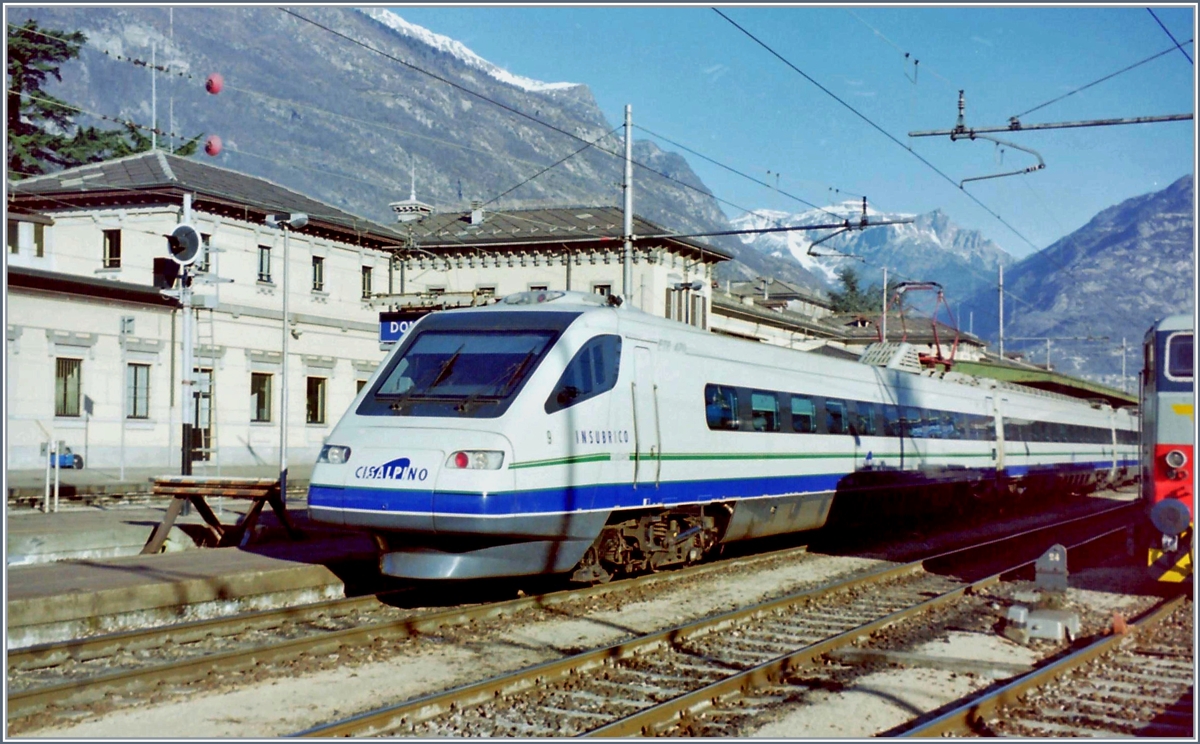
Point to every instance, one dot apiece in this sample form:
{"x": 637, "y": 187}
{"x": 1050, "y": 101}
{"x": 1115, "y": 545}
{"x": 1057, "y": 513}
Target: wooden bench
{"x": 196, "y": 489}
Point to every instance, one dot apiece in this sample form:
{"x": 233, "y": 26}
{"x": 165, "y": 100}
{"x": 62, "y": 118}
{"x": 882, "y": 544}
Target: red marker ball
{"x": 213, "y": 145}
{"x": 214, "y": 83}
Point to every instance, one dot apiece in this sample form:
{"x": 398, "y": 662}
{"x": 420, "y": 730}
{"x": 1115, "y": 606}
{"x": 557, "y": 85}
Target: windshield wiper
{"x": 516, "y": 375}
{"x": 447, "y": 366}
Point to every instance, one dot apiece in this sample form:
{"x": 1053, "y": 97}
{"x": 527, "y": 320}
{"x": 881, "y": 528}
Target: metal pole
{"x": 186, "y": 402}
{"x": 1047, "y": 355}
{"x": 49, "y": 458}
{"x": 883, "y": 321}
{"x": 1001, "y": 313}
{"x": 1124, "y": 380}
{"x": 153, "y": 101}
{"x": 57, "y": 469}
{"x": 283, "y": 393}
{"x": 124, "y": 398}
{"x": 627, "y": 276}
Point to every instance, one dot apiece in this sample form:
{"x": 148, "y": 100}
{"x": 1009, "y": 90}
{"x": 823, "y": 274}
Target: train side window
{"x": 1179, "y": 357}
{"x": 892, "y": 426}
{"x": 835, "y": 416}
{"x": 911, "y": 423}
{"x": 592, "y": 371}
{"x": 804, "y": 414}
{"x": 961, "y": 429}
{"x": 764, "y": 411}
{"x": 864, "y": 418}
{"x": 721, "y": 407}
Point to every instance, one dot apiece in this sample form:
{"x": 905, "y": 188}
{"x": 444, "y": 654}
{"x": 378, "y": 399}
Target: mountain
{"x": 313, "y": 110}
{"x": 1129, "y": 266}
{"x": 930, "y": 248}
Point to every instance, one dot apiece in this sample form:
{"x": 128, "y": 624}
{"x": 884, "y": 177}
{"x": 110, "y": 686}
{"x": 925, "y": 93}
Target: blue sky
{"x": 693, "y": 77}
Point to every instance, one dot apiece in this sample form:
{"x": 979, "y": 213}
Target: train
{"x": 1168, "y": 440}
{"x": 559, "y": 432}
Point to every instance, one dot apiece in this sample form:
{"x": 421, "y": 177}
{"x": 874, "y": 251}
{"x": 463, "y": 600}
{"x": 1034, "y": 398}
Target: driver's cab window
{"x": 592, "y": 371}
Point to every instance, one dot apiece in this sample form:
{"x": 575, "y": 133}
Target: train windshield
{"x": 1179, "y": 357}
{"x": 458, "y": 372}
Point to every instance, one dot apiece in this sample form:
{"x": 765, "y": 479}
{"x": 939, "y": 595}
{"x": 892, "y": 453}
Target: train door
{"x": 646, "y": 428}
{"x": 998, "y": 443}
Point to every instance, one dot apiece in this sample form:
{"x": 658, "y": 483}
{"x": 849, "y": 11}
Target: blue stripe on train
{"x": 606, "y": 496}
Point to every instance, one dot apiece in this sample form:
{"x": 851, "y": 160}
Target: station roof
{"x": 157, "y": 177}
{"x": 1046, "y": 380}
{"x": 547, "y": 227}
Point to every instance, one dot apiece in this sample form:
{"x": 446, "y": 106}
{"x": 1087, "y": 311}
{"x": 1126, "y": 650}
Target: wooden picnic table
{"x": 198, "y": 488}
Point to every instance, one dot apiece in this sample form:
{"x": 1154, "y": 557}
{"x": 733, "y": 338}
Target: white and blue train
{"x": 556, "y": 432}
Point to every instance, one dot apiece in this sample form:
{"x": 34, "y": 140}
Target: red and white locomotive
{"x": 1168, "y": 448}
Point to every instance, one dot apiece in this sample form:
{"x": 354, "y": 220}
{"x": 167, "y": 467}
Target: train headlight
{"x": 475, "y": 460}
{"x": 334, "y": 454}
{"x": 1176, "y": 459}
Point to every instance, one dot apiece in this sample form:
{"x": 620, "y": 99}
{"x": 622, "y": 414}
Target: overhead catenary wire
{"x": 123, "y": 122}
{"x": 732, "y": 170}
{"x": 641, "y": 165}
{"x": 300, "y": 104}
{"x": 510, "y": 109}
{"x": 875, "y": 126}
{"x": 555, "y": 164}
{"x": 1097, "y": 82}
{"x": 907, "y": 55}
{"x": 1169, "y": 34}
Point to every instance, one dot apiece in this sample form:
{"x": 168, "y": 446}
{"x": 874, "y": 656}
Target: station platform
{"x": 78, "y": 572}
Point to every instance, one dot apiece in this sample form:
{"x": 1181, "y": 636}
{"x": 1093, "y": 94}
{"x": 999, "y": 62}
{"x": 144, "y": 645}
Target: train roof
{"x": 1176, "y": 323}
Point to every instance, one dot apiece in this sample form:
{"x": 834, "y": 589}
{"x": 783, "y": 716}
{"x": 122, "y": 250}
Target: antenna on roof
{"x": 410, "y": 209}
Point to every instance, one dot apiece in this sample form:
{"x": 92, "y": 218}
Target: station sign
{"x": 393, "y": 326}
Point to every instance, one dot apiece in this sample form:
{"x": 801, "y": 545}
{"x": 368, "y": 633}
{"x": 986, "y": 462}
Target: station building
{"x": 94, "y": 349}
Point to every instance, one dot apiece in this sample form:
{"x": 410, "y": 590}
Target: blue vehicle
{"x": 68, "y": 459}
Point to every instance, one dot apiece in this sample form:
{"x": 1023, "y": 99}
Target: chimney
{"x": 476, "y": 213}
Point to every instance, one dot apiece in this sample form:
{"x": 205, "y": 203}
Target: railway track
{"x": 56, "y": 677}
{"x": 1140, "y": 683}
{"x": 77, "y": 672}
{"x": 726, "y": 665}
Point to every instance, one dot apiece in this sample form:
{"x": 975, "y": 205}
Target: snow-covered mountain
{"x": 930, "y": 248}
{"x": 457, "y": 49}
{"x": 1130, "y": 265}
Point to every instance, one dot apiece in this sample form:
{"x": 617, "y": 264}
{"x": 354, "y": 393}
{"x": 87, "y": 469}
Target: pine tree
{"x": 42, "y": 133}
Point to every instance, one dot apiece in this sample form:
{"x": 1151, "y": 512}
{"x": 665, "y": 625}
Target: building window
{"x": 316, "y": 401}
{"x": 202, "y": 261}
{"x": 137, "y": 391}
{"x": 13, "y": 236}
{"x": 436, "y": 291}
{"x": 39, "y": 239}
{"x": 260, "y": 396}
{"x": 264, "y": 263}
{"x": 366, "y": 282}
{"x": 538, "y": 287}
{"x": 112, "y": 249}
{"x": 318, "y": 274}
{"x": 358, "y": 386}
{"x": 67, "y": 378}
{"x": 604, "y": 290}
